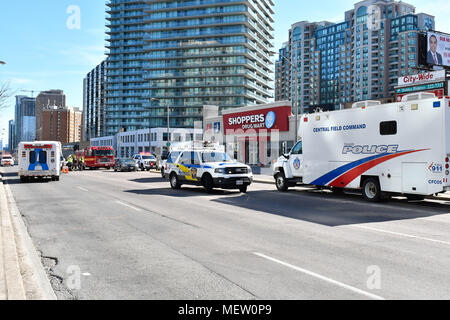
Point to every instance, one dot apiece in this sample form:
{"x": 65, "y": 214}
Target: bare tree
{"x": 5, "y": 93}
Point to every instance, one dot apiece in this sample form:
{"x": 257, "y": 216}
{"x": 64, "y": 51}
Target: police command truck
{"x": 39, "y": 159}
{"x": 208, "y": 165}
{"x": 382, "y": 149}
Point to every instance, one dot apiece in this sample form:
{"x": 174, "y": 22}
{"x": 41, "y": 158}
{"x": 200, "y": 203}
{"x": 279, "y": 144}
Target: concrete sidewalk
{"x": 22, "y": 276}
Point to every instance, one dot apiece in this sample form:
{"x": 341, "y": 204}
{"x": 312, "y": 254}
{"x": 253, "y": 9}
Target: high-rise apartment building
{"x": 44, "y": 100}
{"x": 62, "y": 124}
{"x": 183, "y": 54}
{"x": 282, "y": 74}
{"x": 94, "y": 102}
{"x": 124, "y": 82}
{"x": 24, "y": 120}
{"x": 335, "y": 64}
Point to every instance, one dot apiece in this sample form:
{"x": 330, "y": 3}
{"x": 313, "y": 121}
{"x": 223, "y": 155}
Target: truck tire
{"x": 56, "y": 178}
{"x": 243, "y": 189}
{"x": 208, "y": 183}
{"x": 280, "y": 182}
{"x": 23, "y": 179}
{"x": 174, "y": 181}
{"x": 371, "y": 190}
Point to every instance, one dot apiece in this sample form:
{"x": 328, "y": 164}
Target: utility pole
{"x": 296, "y": 93}
{"x": 168, "y": 121}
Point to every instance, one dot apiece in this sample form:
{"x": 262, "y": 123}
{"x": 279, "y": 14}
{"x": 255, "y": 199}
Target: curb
{"x": 14, "y": 289}
{"x": 263, "y": 181}
{"x": 34, "y": 281}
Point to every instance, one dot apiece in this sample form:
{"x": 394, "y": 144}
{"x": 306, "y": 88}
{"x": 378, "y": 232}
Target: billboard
{"x": 438, "y": 49}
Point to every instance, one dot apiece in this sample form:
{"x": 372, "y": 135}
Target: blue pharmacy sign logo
{"x": 297, "y": 164}
{"x": 216, "y": 127}
{"x": 270, "y": 119}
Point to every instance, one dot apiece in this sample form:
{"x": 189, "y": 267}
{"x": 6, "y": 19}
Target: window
{"x": 173, "y": 157}
{"x": 32, "y": 157}
{"x": 42, "y": 156}
{"x": 186, "y": 158}
{"x": 298, "y": 149}
{"x": 388, "y": 128}
{"x": 195, "y": 158}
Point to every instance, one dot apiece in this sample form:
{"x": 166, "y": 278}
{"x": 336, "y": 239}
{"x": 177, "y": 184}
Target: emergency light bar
{"x": 34, "y": 146}
{"x": 197, "y": 145}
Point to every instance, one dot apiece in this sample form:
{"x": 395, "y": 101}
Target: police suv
{"x": 208, "y": 165}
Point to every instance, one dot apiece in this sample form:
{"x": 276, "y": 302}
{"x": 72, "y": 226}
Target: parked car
{"x": 125, "y": 165}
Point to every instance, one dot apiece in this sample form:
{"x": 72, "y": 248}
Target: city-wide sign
{"x": 264, "y": 119}
{"x": 420, "y": 78}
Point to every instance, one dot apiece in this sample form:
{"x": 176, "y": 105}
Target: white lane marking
{"x": 127, "y": 205}
{"x": 316, "y": 275}
{"x": 86, "y": 274}
{"x": 83, "y": 189}
{"x": 402, "y": 234}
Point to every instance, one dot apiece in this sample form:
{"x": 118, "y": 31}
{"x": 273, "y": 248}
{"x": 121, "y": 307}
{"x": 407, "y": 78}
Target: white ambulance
{"x": 391, "y": 149}
{"x": 39, "y": 159}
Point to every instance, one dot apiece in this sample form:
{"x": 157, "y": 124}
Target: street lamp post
{"x": 168, "y": 119}
{"x": 293, "y": 67}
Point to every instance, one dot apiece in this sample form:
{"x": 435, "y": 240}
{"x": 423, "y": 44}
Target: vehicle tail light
{"x": 447, "y": 160}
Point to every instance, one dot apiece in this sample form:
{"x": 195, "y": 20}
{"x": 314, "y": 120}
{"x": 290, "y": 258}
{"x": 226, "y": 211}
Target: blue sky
{"x": 43, "y": 53}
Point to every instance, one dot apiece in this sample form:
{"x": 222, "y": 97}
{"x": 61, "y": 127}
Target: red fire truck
{"x": 97, "y": 157}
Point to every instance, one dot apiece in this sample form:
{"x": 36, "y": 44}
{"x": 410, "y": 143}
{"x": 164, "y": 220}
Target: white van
{"x": 40, "y": 159}
{"x": 386, "y": 149}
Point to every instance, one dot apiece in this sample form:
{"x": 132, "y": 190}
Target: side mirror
{"x": 286, "y": 156}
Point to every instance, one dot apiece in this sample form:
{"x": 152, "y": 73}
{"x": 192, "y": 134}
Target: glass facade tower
{"x": 187, "y": 53}
{"x": 124, "y": 81}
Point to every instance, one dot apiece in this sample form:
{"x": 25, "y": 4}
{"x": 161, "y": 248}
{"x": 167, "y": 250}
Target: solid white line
{"x": 313, "y": 274}
{"x": 127, "y": 205}
{"x": 402, "y": 234}
{"x": 83, "y": 189}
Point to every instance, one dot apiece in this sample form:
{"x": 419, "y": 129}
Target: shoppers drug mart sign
{"x": 263, "y": 119}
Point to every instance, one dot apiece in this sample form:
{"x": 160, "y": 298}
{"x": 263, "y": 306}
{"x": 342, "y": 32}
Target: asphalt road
{"x": 107, "y": 235}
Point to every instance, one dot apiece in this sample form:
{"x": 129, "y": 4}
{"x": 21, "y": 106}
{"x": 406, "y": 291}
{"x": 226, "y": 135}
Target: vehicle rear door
{"x": 38, "y": 160}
